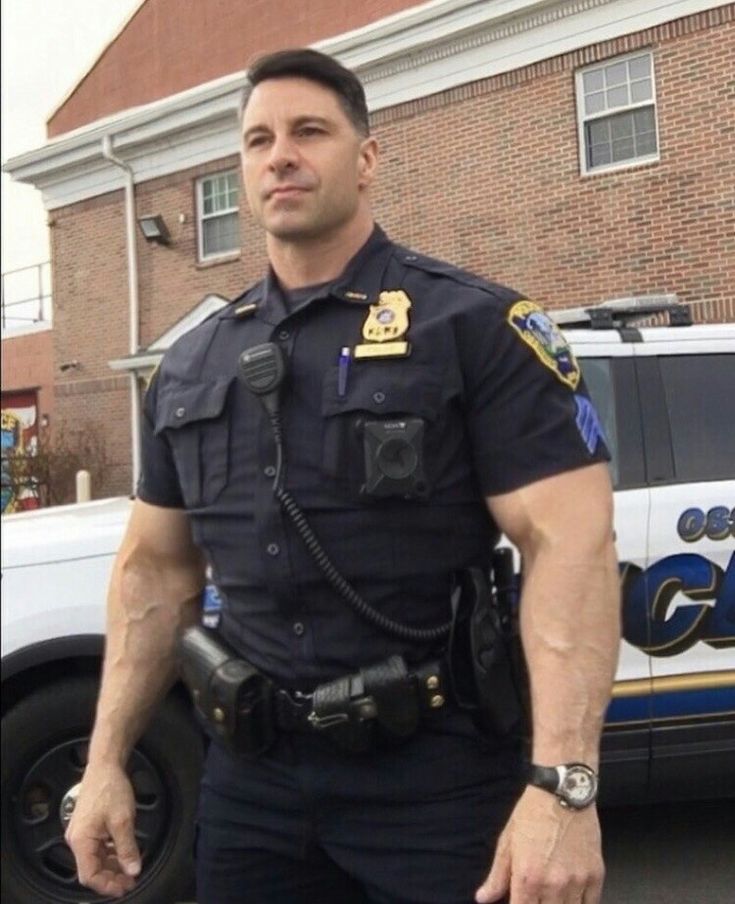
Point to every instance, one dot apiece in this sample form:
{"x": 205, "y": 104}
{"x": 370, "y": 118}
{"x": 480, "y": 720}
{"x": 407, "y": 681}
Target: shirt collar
{"x": 360, "y": 281}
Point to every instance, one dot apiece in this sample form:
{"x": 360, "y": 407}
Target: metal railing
{"x": 26, "y": 296}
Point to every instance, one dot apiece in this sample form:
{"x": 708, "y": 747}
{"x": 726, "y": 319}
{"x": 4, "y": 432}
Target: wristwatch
{"x": 575, "y": 784}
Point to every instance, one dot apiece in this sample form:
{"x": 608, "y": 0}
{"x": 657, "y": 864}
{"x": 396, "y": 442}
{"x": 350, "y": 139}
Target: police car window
{"x": 701, "y": 403}
{"x": 598, "y": 377}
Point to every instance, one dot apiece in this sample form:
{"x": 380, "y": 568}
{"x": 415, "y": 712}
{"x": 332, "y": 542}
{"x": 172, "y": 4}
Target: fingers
{"x": 122, "y": 831}
{"x": 105, "y": 850}
{"x": 498, "y": 880}
{"x": 98, "y": 867}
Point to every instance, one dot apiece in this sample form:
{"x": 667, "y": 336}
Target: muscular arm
{"x": 570, "y": 607}
{"x": 570, "y": 627}
{"x": 154, "y": 594}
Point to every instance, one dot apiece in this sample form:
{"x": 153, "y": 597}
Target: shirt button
{"x": 298, "y": 629}
{"x": 270, "y": 471}
{"x": 180, "y": 412}
{"x": 273, "y": 549}
{"x": 283, "y": 335}
{"x": 379, "y": 397}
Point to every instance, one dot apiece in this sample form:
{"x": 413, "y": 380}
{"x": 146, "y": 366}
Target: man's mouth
{"x": 286, "y": 191}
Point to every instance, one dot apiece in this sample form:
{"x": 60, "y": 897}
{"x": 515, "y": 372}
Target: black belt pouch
{"x": 234, "y": 698}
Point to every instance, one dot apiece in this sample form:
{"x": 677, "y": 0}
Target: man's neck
{"x": 309, "y": 263}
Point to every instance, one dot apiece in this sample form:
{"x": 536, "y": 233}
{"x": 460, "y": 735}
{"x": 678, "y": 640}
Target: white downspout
{"x": 133, "y": 300}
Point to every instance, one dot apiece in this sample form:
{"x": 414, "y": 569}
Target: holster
{"x": 234, "y": 698}
{"x": 480, "y": 657}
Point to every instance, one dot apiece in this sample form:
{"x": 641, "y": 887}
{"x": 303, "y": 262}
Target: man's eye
{"x": 310, "y": 130}
{"x": 256, "y": 141}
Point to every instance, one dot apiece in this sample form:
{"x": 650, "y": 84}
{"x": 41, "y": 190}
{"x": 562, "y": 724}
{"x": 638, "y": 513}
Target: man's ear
{"x": 368, "y": 161}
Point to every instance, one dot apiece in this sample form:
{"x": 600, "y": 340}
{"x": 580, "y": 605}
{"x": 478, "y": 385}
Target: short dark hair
{"x": 317, "y": 67}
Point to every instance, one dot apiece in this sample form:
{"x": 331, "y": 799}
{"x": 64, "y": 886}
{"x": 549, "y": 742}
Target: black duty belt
{"x": 383, "y": 702}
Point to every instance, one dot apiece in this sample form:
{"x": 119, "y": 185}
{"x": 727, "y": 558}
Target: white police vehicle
{"x": 666, "y": 398}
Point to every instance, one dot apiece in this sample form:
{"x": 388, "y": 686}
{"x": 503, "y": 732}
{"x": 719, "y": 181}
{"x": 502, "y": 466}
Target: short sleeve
{"x": 529, "y": 414}
{"x": 158, "y": 483}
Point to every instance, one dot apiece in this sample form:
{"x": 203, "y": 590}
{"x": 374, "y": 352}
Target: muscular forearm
{"x": 149, "y": 605}
{"x": 570, "y": 625}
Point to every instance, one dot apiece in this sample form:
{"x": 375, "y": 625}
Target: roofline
{"x": 88, "y": 70}
{"x": 418, "y": 52}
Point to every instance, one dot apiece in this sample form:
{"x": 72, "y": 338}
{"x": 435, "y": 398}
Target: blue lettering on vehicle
{"x": 648, "y": 622}
{"x": 718, "y": 524}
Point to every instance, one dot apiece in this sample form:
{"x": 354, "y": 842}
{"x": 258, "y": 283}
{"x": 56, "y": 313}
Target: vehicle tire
{"x": 44, "y": 749}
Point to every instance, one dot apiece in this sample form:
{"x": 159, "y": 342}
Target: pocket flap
{"x": 184, "y": 403}
{"x": 383, "y": 390}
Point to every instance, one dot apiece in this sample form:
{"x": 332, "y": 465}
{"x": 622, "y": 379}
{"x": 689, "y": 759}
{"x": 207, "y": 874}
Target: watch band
{"x": 546, "y": 777}
{"x": 575, "y": 784}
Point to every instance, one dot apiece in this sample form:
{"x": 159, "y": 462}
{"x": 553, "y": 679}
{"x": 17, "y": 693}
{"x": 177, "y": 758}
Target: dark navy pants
{"x": 309, "y": 824}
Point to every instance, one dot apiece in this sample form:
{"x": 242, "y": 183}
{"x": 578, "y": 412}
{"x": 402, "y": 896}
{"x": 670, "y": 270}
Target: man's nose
{"x": 284, "y": 154}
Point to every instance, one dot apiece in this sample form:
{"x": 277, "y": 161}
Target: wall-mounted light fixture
{"x": 154, "y": 229}
{"x": 69, "y": 365}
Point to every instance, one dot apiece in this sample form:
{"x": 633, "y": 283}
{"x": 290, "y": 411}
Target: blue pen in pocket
{"x": 343, "y": 371}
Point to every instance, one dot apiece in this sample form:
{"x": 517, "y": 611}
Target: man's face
{"x": 305, "y": 167}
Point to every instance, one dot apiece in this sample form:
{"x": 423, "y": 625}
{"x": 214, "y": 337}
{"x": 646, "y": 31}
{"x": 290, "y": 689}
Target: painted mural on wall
{"x": 19, "y": 438}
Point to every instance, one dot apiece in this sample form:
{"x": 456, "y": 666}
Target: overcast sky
{"x": 47, "y": 45}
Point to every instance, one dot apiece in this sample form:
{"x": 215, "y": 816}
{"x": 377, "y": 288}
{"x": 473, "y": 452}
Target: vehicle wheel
{"x": 44, "y": 752}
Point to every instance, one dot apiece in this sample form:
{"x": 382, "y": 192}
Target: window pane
{"x": 617, "y": 74}
{"x": 593, "y": 81}
{"x": 645, "y": 144}
{"x": 599, "y": 131}
{"x": 220, "y": 193}
{"x": 221, "y": 234}
{"x": 644, "y": 121}
{"x": 640, "y": 91}
{"x": 621, "y": 126}
{"x": 600, "y": 154}
{"x": 640, "y": 67}
{"x": 702, "y": 415}
{"x": 618, "y": 97}
{"x": 594, "y": 103}
{"x": 596, "y": 373}
{"x": 623, "y": 149}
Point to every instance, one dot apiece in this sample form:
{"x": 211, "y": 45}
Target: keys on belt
{"x": 357, "y": 698}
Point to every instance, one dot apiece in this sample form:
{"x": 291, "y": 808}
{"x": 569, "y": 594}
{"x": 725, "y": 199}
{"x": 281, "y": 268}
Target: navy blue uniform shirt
{"x": 489, "y": 376}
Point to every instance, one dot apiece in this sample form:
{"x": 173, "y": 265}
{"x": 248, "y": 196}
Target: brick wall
{"x": 150, "y": 59}
{"x": 486, "y": 175}
{"x": 27, "y": 363}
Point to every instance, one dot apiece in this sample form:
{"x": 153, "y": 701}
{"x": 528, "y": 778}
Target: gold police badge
{"x": 385, "y": 327}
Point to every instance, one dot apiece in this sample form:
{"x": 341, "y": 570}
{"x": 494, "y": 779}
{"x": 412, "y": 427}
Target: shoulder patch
{"x": 547, "y": 341}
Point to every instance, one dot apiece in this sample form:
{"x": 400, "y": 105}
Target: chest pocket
{"x": 194, "y": 418}
{"x": 377, "y": 391}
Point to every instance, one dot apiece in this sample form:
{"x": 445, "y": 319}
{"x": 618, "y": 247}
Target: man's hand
{"x": 101, "y": 833}
{"x": 546, "y": 855}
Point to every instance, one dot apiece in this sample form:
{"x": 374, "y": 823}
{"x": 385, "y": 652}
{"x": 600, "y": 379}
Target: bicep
{"x": 162, "y": 535}
{"x": 573, "y": 508}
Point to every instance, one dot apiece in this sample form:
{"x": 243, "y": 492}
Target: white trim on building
{"x": 421, "y": 51}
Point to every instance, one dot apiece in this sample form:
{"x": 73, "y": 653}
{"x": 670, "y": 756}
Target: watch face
{"x": 579, "y": 787}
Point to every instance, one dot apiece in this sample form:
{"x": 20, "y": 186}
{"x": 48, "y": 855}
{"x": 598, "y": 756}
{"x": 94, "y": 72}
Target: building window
{"x": 219, "y": 215}
{"x": 616, "y": 111}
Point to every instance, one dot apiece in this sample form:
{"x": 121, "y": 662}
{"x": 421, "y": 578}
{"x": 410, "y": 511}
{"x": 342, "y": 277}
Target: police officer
{"x": 403, "y": 413}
